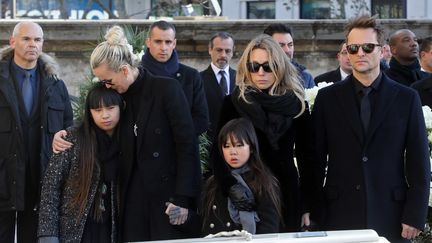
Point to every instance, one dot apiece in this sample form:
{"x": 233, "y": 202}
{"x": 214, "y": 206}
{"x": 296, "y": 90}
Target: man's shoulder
{"x": 183, "y": 68}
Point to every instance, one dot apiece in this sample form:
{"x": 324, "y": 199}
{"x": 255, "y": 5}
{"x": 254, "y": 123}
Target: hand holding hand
{"x": 409, "y": 232}
{"x": 240, "y": 199}
{"x": 177, "y": 215}
{"x": 59, "y": 144}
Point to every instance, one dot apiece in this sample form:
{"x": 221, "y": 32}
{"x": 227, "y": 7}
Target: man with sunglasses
{"x": 371, "y": 137}
{"x": 404, "y": 65}
{"x": 283, "y": 35}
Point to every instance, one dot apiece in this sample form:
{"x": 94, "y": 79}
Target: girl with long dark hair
{"x": 238, "y": 145}
{"x": 79, "y": 190}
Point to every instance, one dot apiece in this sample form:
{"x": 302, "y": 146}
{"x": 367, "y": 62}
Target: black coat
{"x": 377, "y": 180}
{"x": 331, "y": 76}
{"x": 161, "y": 162}
{"x": 403, "y": 74}
{"x": 55, "y": 113}
{"x": 214, "y": 95}
{"x": 424, "y": 89}
{"x": 192, "y": 86}
{"x": 296, "y": 186}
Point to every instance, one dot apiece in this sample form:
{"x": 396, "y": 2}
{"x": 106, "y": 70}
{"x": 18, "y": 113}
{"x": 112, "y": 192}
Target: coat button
{"x": 228, "y": 224}
{"x": 214, "y": 207}
{"x": 155, "y": 154}
{"x": 157, "y": 131}
{"x": 358, "y": 187}
{"x": 211, "y": 226}
{"x": 164, "y": 178}
{"x": 178, "y": 74}
{"x": 365, "y": 159}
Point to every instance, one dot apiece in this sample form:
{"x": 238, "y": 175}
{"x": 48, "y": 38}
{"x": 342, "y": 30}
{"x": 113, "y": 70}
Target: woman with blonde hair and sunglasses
{"x": 270, "y": 94}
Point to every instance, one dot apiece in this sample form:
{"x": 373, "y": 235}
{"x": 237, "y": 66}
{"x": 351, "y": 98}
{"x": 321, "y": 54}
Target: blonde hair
{"x": 286, "y": 75}
{"x": 114, "y": 51}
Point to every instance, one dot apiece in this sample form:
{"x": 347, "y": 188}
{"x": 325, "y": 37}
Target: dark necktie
{"x": 27, "y": 93}
{"x": 365, "y": 108}
{"x": 223, "y": 83}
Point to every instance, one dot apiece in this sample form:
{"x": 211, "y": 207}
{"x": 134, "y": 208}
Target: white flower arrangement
{"x": 427, "y": 113}
{"x": 310, "y": 94}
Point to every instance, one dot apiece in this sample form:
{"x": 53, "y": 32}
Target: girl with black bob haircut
{"x": 79, "y": 190}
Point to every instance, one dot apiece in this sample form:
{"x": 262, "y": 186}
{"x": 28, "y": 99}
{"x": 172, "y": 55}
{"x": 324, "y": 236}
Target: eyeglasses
{"x": 254, "y": 67}
{"x": 366, "y": 47}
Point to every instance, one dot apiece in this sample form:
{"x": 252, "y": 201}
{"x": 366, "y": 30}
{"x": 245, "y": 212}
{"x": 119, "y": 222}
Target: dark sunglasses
{"x": 366, "y": 47}
{"x": 106, "y": 81}
{"x": 254, "y": 67}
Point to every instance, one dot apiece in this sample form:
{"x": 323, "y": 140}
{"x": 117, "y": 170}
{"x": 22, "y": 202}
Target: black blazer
{"x": 331, "y": 76}
{"x": 376, "y": 180}
{"x": 214, "y": 95}
{"x": 424, "y": 88}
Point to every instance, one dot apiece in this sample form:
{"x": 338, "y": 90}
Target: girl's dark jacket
{"x": 57, "y": 218}
{"x": 55, "y": 113}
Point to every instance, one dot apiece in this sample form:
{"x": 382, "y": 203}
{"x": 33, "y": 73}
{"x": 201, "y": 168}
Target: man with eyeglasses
{"x": 404, "y": 65}
{"x": 283, "y": 35}
{"x": 341, "y": 72}
{"x": 370, "y": 135}
{"x": 219, "y": 78}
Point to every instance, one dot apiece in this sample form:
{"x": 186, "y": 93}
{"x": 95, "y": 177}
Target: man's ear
{"x": 12, "y": 42}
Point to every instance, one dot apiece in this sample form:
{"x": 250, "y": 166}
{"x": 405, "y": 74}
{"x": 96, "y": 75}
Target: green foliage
{"x": 135, "y": 37}
{"x": 204, "y": 148}
{"x": 78, "y": 103}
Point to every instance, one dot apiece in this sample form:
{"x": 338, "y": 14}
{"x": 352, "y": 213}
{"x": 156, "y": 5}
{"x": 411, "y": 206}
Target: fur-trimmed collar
{"x": 50, "y": 66}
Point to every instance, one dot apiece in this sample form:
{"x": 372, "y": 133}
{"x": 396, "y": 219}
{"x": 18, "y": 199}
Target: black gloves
{"x": 240, "y": 199}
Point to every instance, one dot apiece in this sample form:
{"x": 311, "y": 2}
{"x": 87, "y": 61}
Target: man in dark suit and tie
{"x": 371, "y": 136}
{"x": 218, "y": 78}
{"x": 341, "y": 72}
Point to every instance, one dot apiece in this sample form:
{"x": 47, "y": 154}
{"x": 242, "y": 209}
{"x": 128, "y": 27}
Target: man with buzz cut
{"x": 34, "y": 104}
{"x": 161, "y": 59}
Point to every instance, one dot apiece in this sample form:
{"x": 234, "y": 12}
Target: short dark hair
{"x": 426, "y": 44}
{"x": 163, "y": 25}
{"x": 365, "y": 22}
{"x": 223, "y": 35}
{"x": 277, "y": 28}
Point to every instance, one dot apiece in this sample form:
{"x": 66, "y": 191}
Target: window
{"x": 315, "y": 9}
{"x": 389, "y": 9}
{"x": 261, "y": 10}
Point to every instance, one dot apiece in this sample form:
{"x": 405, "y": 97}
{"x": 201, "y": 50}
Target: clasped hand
{"x": 177, "y": 215}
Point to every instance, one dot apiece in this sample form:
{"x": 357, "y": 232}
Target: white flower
{"x": 129, "y": 46}
{"x": 427, "y": 113}
{"x": 95, "y": 79}
{"x": 140, "y": 54}
{"x": 310, "y": 94}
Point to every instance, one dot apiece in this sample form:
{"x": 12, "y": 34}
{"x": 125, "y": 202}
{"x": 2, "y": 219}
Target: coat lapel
{"x": 385, "y": 97}
{"x": 346, "y": 98}
{"x": 146, "y": 105}
{"x": 232, "y": 79}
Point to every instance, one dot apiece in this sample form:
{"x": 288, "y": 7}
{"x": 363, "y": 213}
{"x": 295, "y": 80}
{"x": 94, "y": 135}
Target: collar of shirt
{"x": 216, "y": 72}
{"x": 343, "y": 74}
{"x": 20, "y": 73}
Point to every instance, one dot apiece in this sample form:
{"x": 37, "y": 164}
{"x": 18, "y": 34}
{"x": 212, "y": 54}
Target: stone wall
{"x": 316, "y": 41}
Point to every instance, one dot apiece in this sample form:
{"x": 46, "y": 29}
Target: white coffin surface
{"x": 343, "y": 236}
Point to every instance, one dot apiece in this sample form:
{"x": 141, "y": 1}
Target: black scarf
{"x": 108, "y": 155}
{"x": 407, "y": 73}
{"x": 271, "y": 114}
{"x": 165, "y": 69}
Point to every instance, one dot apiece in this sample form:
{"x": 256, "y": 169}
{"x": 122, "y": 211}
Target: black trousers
{"x": 27, "y": 221}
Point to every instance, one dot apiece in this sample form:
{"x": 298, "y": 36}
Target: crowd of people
{"x": 130, "y": 171}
